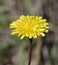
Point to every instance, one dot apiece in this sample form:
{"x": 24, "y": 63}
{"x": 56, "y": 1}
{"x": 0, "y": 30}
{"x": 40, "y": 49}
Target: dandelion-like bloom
{"x": 29, "y": 26}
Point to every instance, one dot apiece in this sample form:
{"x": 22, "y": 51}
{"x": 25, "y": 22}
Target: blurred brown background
{"x": 13, "y": 51}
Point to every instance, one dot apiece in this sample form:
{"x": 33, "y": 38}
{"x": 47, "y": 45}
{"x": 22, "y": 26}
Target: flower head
{"x": 29, "y": 26}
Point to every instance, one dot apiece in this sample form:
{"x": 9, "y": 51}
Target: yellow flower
{"x": 29, "y": 26}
